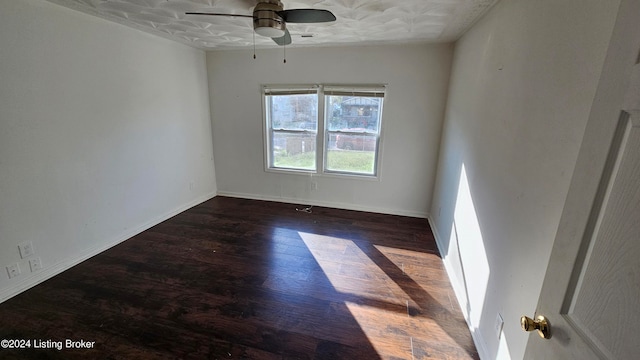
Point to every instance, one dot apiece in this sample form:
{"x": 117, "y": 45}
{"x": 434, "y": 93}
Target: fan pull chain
{"x": 254, "y": 44}
{"x": 284, "y": 48}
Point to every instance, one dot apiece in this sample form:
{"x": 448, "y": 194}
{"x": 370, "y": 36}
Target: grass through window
{"x": 304, "y": 160}
{"x": 337, "y": 160}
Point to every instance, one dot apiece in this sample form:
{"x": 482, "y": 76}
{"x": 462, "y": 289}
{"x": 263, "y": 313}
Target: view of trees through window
{"x": 351, "y": 135}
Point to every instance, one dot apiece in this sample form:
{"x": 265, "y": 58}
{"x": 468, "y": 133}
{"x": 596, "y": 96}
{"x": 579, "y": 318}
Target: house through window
{"x": 329, "y": 129}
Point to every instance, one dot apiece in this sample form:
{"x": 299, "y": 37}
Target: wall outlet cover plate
{"x": 35, "y": 264}
{"x": 13, "y": 270}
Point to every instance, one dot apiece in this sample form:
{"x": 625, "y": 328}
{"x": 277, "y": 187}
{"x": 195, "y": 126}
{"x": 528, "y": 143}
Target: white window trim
{"x": 377, "y": 90}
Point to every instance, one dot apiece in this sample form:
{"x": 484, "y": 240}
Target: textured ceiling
{"x": 358, "y": 21}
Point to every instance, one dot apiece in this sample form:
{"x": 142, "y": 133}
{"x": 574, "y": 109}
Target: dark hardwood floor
{"x": 244, "y": 279}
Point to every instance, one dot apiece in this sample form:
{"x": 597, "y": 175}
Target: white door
{"x": 591, "y": 292}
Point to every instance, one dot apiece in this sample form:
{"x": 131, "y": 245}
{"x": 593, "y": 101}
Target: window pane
{"x": 294, "y": 112}
{"x": 353, "y": 112}
{"x": 353, "y": 153}
{"x": 294, "y": 151}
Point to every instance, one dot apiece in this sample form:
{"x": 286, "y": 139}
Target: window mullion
{"x": 321, "y": 144}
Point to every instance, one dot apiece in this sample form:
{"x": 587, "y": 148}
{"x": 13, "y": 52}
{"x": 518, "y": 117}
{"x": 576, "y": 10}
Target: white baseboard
{"x": 460, "y": 292}
{"x": 336, "y": 205}
{"x": 55, "y": 269}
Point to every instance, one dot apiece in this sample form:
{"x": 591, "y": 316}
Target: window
{"x": 352, "y": 130}
{"x": 346, "y": 132}
{"x": 292, "y": 118}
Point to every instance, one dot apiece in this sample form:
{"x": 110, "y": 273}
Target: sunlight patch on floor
{"x": 394, "y": 316}
{"x": 378, "y": 332}
{"x": 417, "y": 336}
{"x": 412, "y": 264}
{"x": 351, "y": 271}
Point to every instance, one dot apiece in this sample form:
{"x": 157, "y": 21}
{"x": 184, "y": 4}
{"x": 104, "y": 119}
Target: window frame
{"x": 268, "y": 90}
{"x": 322, "y": 132}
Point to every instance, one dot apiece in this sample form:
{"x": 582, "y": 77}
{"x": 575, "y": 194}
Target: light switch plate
{"x": 26, "y": 249}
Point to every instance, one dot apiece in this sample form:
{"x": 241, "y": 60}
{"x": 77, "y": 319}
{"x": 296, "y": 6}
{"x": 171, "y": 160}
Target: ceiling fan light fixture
{"x": 269, "y": 28}
{"x": 270, "y": 32}
{"x": 266, "y": 20}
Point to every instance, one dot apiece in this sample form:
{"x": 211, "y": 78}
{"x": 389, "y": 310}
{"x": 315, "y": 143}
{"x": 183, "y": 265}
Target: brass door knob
{"x": 540, "y": 323}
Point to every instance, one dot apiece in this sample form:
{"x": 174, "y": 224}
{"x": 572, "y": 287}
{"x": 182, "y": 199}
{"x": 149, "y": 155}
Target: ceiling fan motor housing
{"x": 266, "y": 21}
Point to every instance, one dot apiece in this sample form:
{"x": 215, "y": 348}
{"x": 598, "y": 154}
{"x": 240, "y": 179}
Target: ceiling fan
{"x": 270, "y": 19}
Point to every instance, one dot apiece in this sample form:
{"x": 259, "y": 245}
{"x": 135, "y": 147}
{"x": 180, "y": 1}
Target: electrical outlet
{"x": 314, "y": 185}
{"x": 498, "y": 325}
{"x": 26, "y": 249}
{"x": 191, "y": 185}
{"x": 13, "y": 270}
{"x": 35, "y": 264}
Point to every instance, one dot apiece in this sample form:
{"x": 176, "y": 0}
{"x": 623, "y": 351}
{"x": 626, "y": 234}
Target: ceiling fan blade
{"x": 217, "y": 14}
{"x": 307, "y": 15}
{"x": 283, "y": 40}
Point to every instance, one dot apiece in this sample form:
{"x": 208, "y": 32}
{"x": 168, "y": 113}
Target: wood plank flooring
{"x": 245, "y": 279}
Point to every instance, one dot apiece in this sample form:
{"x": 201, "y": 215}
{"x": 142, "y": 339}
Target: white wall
{"x": 417, "y": 78}
{"x": 523, "y": 80}
{"x": 102, "y": 130}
